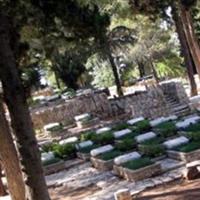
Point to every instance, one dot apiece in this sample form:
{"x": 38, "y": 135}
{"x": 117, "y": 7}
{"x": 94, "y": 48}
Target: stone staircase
{"x": 177, "y": 108}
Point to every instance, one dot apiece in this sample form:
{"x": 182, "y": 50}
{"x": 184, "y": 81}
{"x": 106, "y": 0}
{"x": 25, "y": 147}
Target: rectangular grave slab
{"x": 84, "y": 144}
{"x": 48, "y": 127}
{"x": 47, "y": 156}
{"x": 144, "y": 137}
{"x": 82, "y": 117}
{"x": 186, "y": 157}
{"x": 119, "y": 134}
{"x": 135, "y": 120}
{"x": 83, "y": 156}
{"x": 143, "y": 173}
{"x": 103, "y": 130}
{"x": 157, "y": 121}
{"x": 68, "y": 140}
{"x": 54, "y": 168}
{"x": 187, "y": 122}
{"x": 101, "y": 150}
{"x": 126, "y": 157}
{"x": 170, "y": 144}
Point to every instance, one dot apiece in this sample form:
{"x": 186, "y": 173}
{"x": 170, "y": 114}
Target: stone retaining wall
{"x": 150, "y": 104}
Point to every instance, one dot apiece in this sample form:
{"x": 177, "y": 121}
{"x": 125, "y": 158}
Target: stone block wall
{"x": 150, "y": 104}
{"x": 95, "y": 104}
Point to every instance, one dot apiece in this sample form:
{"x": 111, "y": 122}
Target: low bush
{"x": 142, "y": 126}
{"x": 194, "y": 136}
{"x": 89, "y": 135}
{"x": 154, "y": 141}
{"x": 110, "y": 155}
{"x": 153, "y": 151}
{"x": 137, "y": 164}
{"x": 65, "y": 151}
{"x": 126, "y": 144}
{"x": 120, "y": 127}
{"x": 193, "y": 128}
{"x": 192, "y": 146}
{"x": 104, "y": 138}
{"x": 48, "y": 147}
{"x": 166, "y": 129}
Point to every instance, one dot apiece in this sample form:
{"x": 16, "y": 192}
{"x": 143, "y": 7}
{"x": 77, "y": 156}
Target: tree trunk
{"x": 190, "y": 36}
{"x": 185, "y": 50}
{"x": 10, "y": 160}
{"x": 36, "y": 188}
{"x": 2, "y": 188}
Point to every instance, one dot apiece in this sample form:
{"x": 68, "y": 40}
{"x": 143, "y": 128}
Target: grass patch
{"x": 89, "y": 135}
{"x": 103, "y": 138}
{"x": 192, "y": 146}
{"x": 194, "y": 136}
{"x": 166, "y": 129}
{"x": 110, "y": 155}
{"x": 154, "y": 141}
{"x": 142, "y": 126}
{"x": 137, "y": 164}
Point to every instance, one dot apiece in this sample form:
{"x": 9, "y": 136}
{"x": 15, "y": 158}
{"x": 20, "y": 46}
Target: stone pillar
{"x": 123, "y": 194}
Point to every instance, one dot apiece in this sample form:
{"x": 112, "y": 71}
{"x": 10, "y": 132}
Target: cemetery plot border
{"x": 186, "y": 157}
{"x": 55, "y": 167}
{"x": 83, "y": 156}
{"x": 102, "y": 165}
{"x": 142, "y": 173}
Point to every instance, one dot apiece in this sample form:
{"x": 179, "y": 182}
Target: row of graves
{"x": 132, "y": 150}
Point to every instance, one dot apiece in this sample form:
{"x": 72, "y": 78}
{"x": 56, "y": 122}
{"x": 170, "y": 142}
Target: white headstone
{"x": 170, "y": 144}
{"x": 127, "y": 157}
{"x": 84, "y": 144}
{"x": 171, "y": 118}
{"x": 82, "y": 117}
{"x": 101, "y": 150}
{"x": 157, "y": 121}
{"x": 47, "y": 156}
{"x": 103, "y": 130}
{"x": 135, "y": 120}
{"x": 68, "y": 140}
{"x": 144, "y": 137}
{"x": 121, "y": 133}
{"x": 50, "y": 126}
{"x": 187, "y": 122}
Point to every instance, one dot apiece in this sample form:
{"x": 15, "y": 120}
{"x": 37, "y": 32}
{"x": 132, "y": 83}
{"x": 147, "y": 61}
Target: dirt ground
{"x": 174, "y": 191}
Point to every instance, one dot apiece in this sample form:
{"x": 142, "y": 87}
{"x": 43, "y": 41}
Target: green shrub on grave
{"x": 88, "y": 149}
{"x": 120, "y": 127}
{"x": 110, "y": 155}
{"x": 89, "y": 135}
{"x": 65, "y": 151}
{"x": 193, "y": 128}
{"x": 48, "y": 147}
{"x": 194, "y": 136}
{"x": 104, "y": 138}
{"x": 192, "y": 146}
{"x": 167, "y": 129}
{"x": 142, "y": 126}
{"x": 153, "y": 151}
{"x": 138, "y": 163}
{"x": 126, "y": 144}
{"x": 154, "y": 141}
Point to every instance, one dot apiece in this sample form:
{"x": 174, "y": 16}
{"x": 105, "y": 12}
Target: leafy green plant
{"x": 89, "y": 135}
{"x": 104, "y": 138}
{"x": 125, "y": 144}
{"x": 88, "y": 149}
{"x": 120, "y": 126}
{"x": 193, "y": 128}
{"x": 137, "y": 164}
{"x": 154, "y": 150}
{"x": 48, "y": 147}
{"x": 65, "y": 151}
{"x": 110, "y": 155}
{"x": 154, "y": 141}
{"x": 194, "y": 136}
{"x": 192, "y": 146}
{"x": 166, "y": 129}
{"x": 142, "y": 126}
